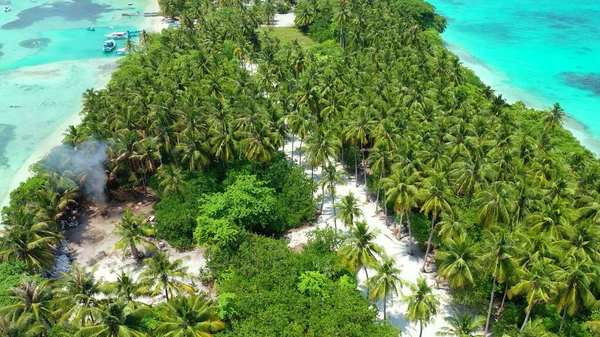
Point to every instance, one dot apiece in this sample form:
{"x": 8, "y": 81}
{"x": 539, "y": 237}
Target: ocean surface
{"x": 47, "y": 60}
{"x": 536, "y": 51}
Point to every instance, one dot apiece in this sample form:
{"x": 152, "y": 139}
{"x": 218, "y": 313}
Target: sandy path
{"x": 410, "y": 265}
{"x": 284, "y": 20}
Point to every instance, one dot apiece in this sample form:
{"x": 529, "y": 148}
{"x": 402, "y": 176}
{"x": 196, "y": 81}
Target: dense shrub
{"x": 10, "y": 276}
{"x": 268, "y": 296}
{"x": 176, "y": 213}
{"x": 420, "y": 228}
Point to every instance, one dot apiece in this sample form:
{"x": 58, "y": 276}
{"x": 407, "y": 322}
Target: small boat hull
{"x": 108, "y": 46}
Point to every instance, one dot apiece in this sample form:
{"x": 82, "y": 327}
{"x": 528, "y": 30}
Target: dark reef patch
{"x": 4, "y": 2}
{"x": 70, "y": 11}
{"x": 559, "y": 26}
{"x": 7, "y": 133}
{"x": 589, "y": 81}
{"x": 35, "y": 43}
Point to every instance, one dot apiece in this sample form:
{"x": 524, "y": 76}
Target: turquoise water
{"x": 537, "y": 51}
{"x": 47, "y": 60}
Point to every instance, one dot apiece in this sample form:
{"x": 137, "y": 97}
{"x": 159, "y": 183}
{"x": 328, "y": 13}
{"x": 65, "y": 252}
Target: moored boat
{"x": 108, "y": 46}
{"x": 121, "y": 51}
{"x": 117, "y": 35}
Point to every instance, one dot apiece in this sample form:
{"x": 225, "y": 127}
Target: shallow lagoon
{"x": 47, "y": 60}
{"x": 537, "y": 51}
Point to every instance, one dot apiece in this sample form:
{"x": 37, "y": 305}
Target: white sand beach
{"x": 410, "y": 265}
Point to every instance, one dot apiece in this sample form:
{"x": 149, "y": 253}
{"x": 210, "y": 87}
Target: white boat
{"x": 108, "y": 46}
{"x": 121, "y": 51}
{"x": 117, "y": 35}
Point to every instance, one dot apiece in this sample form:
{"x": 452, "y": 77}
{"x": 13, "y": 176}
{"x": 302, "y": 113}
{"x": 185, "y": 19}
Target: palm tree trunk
{"x": 365, "y": 173}
{"x": 562, "y": 319}
{"x": 166, "y": 294}
{"x": 489, "y": 314}
{"x": 385, "y": 212}
{"x": 429, "y": 244}
{"x": 292, "y": 148}
{"x": 504, "y": 296}
{"x": 356, "y": 168}
{"x": 134, "y": 251}
{"x": 366, "y": 272}
{"x": 410, "y": 238}
{"x": 528, "y": 311}
{"x": 421, "y": 328}
{"x": 400, "y": 222}
{"x": 334, "y": 212}
{"x": 300, "y": 151}
{"x": 378, "y": 190}
{"x": 384, "y": 308}
{"x": 322, "y": 197}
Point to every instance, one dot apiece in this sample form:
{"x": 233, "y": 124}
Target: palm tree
{"x": 422, "y": 304}
{"x": 349, "y": 209}
{"x": 31, "y": 297}
{"x": 191, "y": 316}
{"x": 329, "y": 179}
{"x": 76, "y": 294}
{"x": 301, "y": 123}
{"x": 456, "y": 260}
{"x": 435, "y": 194}
{"x": 386, "y": 282}
{"x": 578, "y": 279}
{"x": 497, "y": 256}
{"x": 400, "y": 187}
{"x": 359, "y": 250}
{"x": 555, "y": 116}
{"x": 24, "y": 326}
{"x": 496, "y": 204}
{"x": 536, "y": 285}
{"x": 357, "y": 133}
{"x": 321, "y": 148}
{"x": 125, "y": 287}
{"x": 461, "y": 325}
{"x": 170, "y": 179}
{"x": 133, "y": 234}
{"x": 116, "y": 319}
{"x": 31, "y": 243}
{"x": 162, "y": 275}
{"x": 341, "y": 17}
{"x": 379, "y": 160}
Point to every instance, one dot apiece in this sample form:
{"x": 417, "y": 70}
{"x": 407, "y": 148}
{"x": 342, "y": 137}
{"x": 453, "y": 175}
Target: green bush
{"x": 21, "y": 195}
{"x": 268, "y": 296}
{"x": 477, "y": 296}
{"x": 510, "y": 322}
{"x": 10, "y": 276}
{"x": 176, "y": 213}
{"x": 420, "y": 228}
{"x": 248, "y": 203}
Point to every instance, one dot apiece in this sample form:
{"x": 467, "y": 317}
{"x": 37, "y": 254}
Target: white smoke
{"x": 84, "y": 165}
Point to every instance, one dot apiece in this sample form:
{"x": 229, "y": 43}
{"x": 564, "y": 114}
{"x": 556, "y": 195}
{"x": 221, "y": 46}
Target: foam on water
{"x": 47, "y": 60}
{"x": 537, "y": 51}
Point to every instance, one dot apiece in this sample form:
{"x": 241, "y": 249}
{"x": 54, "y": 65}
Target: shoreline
{"x": 55, "y": 138}
{"x": 152, "y": 24}
{"x": 500, "y": 83}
